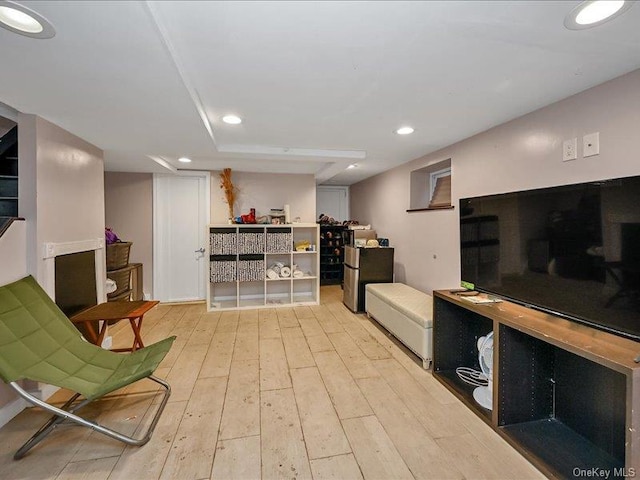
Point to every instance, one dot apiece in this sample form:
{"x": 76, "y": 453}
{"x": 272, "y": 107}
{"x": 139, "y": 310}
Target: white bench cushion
{"x": 416, "y": 305}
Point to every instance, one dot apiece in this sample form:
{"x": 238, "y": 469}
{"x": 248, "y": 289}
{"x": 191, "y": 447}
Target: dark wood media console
{"x": 567, "y": 396}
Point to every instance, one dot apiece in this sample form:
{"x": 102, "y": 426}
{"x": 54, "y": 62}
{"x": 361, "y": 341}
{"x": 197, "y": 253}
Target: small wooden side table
{"x": 113, "y": 312}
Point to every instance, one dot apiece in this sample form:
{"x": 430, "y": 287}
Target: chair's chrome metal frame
{"x": 67, "y": 412}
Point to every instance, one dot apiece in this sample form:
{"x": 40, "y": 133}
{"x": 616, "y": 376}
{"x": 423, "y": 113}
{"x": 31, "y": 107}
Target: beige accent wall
{"x": 264, "y": 191}
{"x": 61, "y": 187}
{"x": 129, "y": 205}
{"x": 62, "y": 200}
{"x": 129, "y": 213}
{"x": 524, "y": 153}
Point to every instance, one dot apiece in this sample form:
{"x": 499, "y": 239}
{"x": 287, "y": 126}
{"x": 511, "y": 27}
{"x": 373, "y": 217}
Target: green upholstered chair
{"x": 38, "y": 342}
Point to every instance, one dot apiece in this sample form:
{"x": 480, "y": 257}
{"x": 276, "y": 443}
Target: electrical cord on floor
{"x": 472, "y": 376}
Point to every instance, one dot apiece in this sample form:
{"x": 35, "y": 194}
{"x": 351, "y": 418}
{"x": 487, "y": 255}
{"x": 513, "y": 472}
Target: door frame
{"x": 159, "y": 225}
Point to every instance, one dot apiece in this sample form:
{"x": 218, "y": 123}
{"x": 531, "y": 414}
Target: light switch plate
{"x": 570, "y": 149}
{"x": 591, "y": 144}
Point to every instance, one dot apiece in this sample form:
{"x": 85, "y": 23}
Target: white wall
{"x": 264, "y": 191}
{"x": 524, "y": 153}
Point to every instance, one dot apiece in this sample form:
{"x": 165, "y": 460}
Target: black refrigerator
{"x": 361, "y": 266}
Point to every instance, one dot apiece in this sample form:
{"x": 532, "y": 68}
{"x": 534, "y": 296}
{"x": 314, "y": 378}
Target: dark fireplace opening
{"x": 75, "y": 281}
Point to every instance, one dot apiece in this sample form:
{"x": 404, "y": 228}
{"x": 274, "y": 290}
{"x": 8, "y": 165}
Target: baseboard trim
{"x": 11, "y": 409}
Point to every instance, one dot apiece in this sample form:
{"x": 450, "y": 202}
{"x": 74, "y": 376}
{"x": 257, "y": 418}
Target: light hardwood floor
{"x": 306, "y": 392}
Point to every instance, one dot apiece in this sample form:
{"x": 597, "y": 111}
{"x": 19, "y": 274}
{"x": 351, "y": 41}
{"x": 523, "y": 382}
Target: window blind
{"x": 442, "y": 193}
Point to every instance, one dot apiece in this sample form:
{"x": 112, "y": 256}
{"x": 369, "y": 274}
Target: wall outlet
{"x": 570, "y": 149}
{"x": 591, "y": 144}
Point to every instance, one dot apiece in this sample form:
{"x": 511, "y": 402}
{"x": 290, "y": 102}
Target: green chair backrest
{"x": 38, "y": 342}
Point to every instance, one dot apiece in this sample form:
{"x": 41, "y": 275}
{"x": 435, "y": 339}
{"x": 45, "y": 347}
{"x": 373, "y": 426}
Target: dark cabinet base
{"x": 559, "y": 446}
{"x": 563, "y": 392}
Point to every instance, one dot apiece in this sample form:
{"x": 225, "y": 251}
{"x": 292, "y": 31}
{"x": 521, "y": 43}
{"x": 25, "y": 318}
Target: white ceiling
{"x": 320, "y": 85}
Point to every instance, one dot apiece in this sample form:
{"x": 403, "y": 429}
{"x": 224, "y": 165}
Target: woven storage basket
{"x": 223, "y": 243}
{"x": 250, "y": 243}
{"x": 251, "y": 270}
{"x": 281, "y": 242}
{"x": 223, "y": 271}
{"x": 118, "y": 255}
{"x": 123, "y": 297}
{"x": 122, "y": 277}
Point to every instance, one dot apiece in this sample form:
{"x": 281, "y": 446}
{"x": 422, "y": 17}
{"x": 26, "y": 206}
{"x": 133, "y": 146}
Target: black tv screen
{"x": 571, "y": 250}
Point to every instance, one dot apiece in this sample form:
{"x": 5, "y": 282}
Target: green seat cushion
{"x": 38, "y": 342}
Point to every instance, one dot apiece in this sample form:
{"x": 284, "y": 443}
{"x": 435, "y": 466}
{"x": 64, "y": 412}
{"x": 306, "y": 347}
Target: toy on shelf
{"x": 249, "y": 218}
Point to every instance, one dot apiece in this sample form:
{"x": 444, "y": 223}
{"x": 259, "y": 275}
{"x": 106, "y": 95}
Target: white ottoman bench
{"x": 405, "y": 312}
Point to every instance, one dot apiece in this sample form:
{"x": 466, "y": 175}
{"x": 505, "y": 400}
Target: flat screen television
{"x": 571, "y": 250}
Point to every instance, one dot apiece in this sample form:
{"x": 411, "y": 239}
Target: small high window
{"x": 431, "y": 187}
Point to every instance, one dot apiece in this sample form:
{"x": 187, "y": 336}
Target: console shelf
{"x": 563, "y": 393}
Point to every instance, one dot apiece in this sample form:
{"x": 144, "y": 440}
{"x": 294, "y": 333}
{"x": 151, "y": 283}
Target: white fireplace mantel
{"x": 51, "y": 250}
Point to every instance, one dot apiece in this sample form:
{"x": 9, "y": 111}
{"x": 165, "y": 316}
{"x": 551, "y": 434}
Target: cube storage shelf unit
{"x": 240, "y": 256}
{"x": 564, "y": 394}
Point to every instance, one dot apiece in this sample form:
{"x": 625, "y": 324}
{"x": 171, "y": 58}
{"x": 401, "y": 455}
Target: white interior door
{"x": 333, "y": 202}
{"x": 180, "y": 215}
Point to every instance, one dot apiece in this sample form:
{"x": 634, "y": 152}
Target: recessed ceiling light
{"x": 353, "y": 165}
{"x": 232, "y": 119}
{"x": 24, "y": 21}
{"x": 595, "y": 12}
{"x": 405, "y": 130}
{"x": 184, "y": 160}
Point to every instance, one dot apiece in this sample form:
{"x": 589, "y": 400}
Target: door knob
{"x": 201, "y": 250}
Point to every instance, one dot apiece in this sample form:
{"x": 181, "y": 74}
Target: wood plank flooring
{"x": 292, "y": 393}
